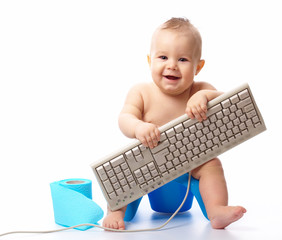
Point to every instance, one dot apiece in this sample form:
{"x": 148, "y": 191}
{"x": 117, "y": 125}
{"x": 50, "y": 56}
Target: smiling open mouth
{"x": 170, "y": 77}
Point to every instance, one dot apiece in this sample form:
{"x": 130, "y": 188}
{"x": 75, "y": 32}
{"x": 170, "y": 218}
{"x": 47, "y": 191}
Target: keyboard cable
{"x": 110, "y": 229}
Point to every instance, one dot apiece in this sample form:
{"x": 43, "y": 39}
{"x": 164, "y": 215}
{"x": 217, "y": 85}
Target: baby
{"x": 175, "y": 58}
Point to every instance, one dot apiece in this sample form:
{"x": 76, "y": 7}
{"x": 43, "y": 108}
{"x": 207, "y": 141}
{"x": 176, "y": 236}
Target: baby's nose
{"x": 172, "y": 65}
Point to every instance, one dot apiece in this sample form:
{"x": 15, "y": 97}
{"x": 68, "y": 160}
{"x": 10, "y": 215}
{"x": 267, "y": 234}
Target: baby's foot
{"x": 114, "y": 220}
{"x": 226, "y": 215}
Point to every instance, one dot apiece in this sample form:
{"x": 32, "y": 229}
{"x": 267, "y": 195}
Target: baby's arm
{"x": 131, "y": 123}
{"x": 197, "y": 104}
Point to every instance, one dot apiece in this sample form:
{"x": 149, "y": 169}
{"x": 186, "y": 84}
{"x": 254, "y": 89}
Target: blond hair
{"x": 181, "y": 25}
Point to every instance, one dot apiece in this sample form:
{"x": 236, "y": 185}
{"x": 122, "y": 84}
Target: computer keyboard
{"x": 185, "y": 144}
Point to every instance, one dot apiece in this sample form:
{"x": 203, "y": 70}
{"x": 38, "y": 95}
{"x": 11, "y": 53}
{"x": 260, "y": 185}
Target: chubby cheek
{"x": 189, "y": 73}
{"x": 157, "y": 79}
{"x": 156, "y": 73}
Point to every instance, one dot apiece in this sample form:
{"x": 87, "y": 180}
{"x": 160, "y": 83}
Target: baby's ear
{"x": 200, "y": 65}
{"x": 149, "y": 59}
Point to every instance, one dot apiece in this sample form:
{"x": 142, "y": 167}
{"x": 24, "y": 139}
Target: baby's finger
{"x": 149, "y": 141}
{"x": 144, "y": 142}
{"x": 154, "y": 140}
{"x": 189, "y": 112}
{"x": 197, "y": 113}
{"x": 203, "y": 113}
{"x": 157, "y": 134}
{"x": 204, "y": 107}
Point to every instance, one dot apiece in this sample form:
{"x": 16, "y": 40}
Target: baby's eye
{"x": 183, "y": 59}
{"x": 163, "y": 57}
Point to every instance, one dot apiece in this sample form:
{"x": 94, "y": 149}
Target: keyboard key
{"x": 186, "y": 132}
{"x": 234, "y": 99}
{"x": 244, "y": 94}
{"x": 209, "y": 143}
{"x": 119, "y": 191}
{"x": 226, "y": 112}
{"x": 116, "y": 185}
{"x": 169, "y": 165}
{"x": 112, "y": 195}
{"x": 123, "y": 182}
{"x": 187, "y": 123}
{"x": 117, "y": 169}
{"x": 192, "y": 137}
{"x": 214, "y": 109}
{"x": 130, "y": 178}
{"x": 172, "y": 148}
{"x": 199, "y": 126}
{"x": 170, "y": 133}
{"x": 233, "y": 109}
{"x": 176, "y": 153}
{"x": 125, "y": 188}
{"x": 151, "y": 166}
{"x": 138, "y": 173}
{"x": 248, "y": 108}
{"x": 107, "y": 166}
{"x": 108, "y": 186}
{"x": 132, "y": 184}
{"x": 226, "y": 103}
{"x": 182, "y": 158}
{"x": 113, "y": 179}
{"x": 154, "y": 173}
{"x": 179, "y": 128}
{"x": 172, "y": 140}
{"x": 142, "y": 148}
{"x": 139, "y": 158}
{"x": 255, "y": 119}
{"x": 251, "y": 114}
{"x": 193, "y": 129}
{"x": 163, "y": 137}
{"x": 127, "y": 172}
{"x": 185, "y": 141}
{"x": 169, "y": 157}
{"x": 141, "y": 180}
{"x": 147, "y": 176}
{"x": 160, "y": 156}
{"x": 136, "y": 151}
{"x": 199, "y": 134}
{"x": 162, "y": 168}
{"x": 179, "y": 144}
{"x": 144, "y": 170}
{"x": 244, "y": 102}
{"x": 118, "y": 160}
{"x": 102, "y": 173}
{"x": 160, "y": 146}
{"x": 129, "y": 154}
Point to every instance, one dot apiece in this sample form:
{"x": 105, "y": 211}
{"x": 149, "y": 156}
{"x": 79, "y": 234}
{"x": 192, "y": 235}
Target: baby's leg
{"x": 114, "y": 219}
{"x": 213, "y": 190}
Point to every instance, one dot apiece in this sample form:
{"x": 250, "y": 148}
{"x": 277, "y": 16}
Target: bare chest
{"x": 160, "y": 109}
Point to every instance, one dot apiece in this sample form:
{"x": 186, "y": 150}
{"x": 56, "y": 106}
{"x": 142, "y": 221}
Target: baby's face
{"x": 173, "y": 61}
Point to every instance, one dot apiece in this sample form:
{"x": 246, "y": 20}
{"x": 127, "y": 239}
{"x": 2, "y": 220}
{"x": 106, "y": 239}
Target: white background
{"x": 65, "y": 69}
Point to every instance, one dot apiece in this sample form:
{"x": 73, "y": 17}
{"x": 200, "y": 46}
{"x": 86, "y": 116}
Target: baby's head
{"x": 184, "y": 27}
{"x": 175, "y": 55}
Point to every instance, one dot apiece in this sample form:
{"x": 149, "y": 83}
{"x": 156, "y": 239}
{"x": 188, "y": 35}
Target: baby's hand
{"x": 148, "y": 134}
{"x": 197, "y": 106}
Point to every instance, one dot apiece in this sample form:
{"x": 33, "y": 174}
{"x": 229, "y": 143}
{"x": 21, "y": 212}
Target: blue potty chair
{"x": 168, "y": 198}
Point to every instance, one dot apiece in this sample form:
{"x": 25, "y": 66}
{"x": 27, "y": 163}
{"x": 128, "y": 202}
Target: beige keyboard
{"x": 185, "y": 144}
